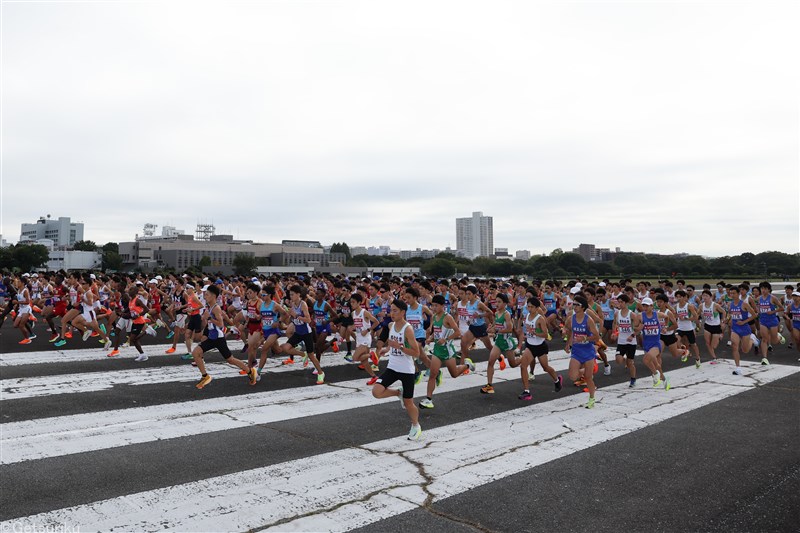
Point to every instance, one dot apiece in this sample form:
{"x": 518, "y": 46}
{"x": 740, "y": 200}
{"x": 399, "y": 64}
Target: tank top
{"x": 710, "y": 314}
{"x": 320, "y": 313}
{"x": 414, "y": 319}
{"x": 269, "y": 318}
{"x": 582, "y": 345}
{"x": 651, "y": 326}
{"x": 361, "y": 323}
{"x": 765, "y": 305}
{"x": 300, "y": 327}
{"x": 608, "y": 311}
{"x": 474, "y": 314}
{"x": 684, "y": 323}
{"x": 549, "y": 301}
{"x": 463, "y": 314}
{"x": 214, "y": 331}
{"x": 738, "y": 313}
{"x": 795, "y": 310}
{"x": 531, "y": 329}
{"x": 625, "y": 328}
{"x": 663, "y": 322}
{"x": 399, "y": 361}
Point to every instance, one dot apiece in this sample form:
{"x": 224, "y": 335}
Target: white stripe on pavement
{"x": 357, "y": 486}
{"x": 63, "y": 435}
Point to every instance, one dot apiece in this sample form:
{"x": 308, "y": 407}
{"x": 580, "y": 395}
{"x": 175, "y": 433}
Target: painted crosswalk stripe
{"x": 57, "y": 436}
{"x": 356, "y": 486}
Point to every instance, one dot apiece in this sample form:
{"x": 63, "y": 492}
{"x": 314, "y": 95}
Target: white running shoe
{"x": 737, "y": 371}
{"x": 415, "y": 433}
{"x": 87, "y": 334}
{"x": 607, "y": 370}
{"x": 426, "y": 404}
{"x": 150, "y": 331}
{"x": 142, "y": 358}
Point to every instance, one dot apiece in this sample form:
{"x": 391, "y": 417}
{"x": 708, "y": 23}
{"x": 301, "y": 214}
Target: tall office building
{"x": 475, "y": 236}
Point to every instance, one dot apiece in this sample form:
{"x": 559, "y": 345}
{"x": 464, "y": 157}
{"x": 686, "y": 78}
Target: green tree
{"x": 112, "y": 260}
{"x": 30, "y": 256}
{"x": 341, "y": 248}
{"x": 244, "y": 264}
{"x": 205, "y": 261}
{"x": 86, "y": 246}
{"x": 439, "y": 267}
{"x": 111, "y": 247}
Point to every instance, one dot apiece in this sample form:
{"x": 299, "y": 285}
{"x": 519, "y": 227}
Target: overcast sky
{"x": 653, "y": 126}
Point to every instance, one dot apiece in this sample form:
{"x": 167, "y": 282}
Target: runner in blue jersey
{"x": 740, "y": 314}
{"x": 769, "y": 306}
{"x": 794, "y": 309}
{"x": 650, "y": 328}
{"x": 581, "y": 335}
{"x": 323, "y": 315}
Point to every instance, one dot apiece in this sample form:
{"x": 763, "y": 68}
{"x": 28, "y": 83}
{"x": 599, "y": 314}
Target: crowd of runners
{"x": 419, "y": 326}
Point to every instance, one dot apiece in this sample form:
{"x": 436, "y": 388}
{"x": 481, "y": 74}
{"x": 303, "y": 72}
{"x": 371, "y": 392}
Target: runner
{"x": 535, "y": 332}
{"x": 364, "y": 323}
{"x": 477, "y": 312}
{"x": 769, "y": 306}
{"x": 402, "y": 349}
{"x": 712, "y": 314}
{"x": 24, "y": 311}
{"x": 741, "y": 316}
{"x": 216, "y": 339}
{"x": 505, "y": 343}
{"x": 443, "y": 332}
{"x": 301, "y": 319}
{"x": 626, "y": 323}
{"x": 581, "y": 335}
{"x": 687, "y": 316}
{"x": 650, "y": 327}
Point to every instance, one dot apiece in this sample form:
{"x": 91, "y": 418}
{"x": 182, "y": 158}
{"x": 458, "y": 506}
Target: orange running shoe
{"x": 113, "y": 353}
{"x": 502, "y": 363}
{"x": 25, "y": 341}
{"x": 373, "y": 357}
{"x": 289, "y": 361}
{"x": 335, "y": 346}
{"x": 68, "y": 335}
{"x": 170, "y": 350}
{"x": 36, "y": 309}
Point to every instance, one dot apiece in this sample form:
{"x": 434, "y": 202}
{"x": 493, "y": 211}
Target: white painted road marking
{"x": 353, "y": 487}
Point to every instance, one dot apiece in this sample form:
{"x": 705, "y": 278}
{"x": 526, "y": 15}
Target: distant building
{"x": 302, "y": 244}
{"x": 475, "y": 236}
{"x": 379, "y": 250}
{"x": 3, "y": 242}
{"x": 62, "y": 231}
{"x": 424, "y": 254}
{"x": 358, "y": 250}
{"x": 523, "y": 254}
{"x": 590, "y": 253}
{"x": 74, "y": 260}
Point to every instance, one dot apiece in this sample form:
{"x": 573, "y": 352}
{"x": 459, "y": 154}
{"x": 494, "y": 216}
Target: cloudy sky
{"x": 652, "y": 126}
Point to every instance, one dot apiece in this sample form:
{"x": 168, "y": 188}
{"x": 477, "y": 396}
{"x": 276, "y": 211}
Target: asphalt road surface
{"x": 97, "y": 444}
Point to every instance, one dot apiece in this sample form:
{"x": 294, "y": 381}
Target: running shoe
{"x": 526, "y": 395}
{"x": 321, "y": 378}
{"x": 594, "y": 370}
{"x": 87, "y": 334}
{"x": 94, "y": 334}
{"x": 60, "y": 343}
{"x": 113, "y": 353}
{"x": 104, "y": 341}
{"x": 373, "y": 357}
{"x": 667, "y": 384}
{"x": 244, "y": 372}
{"x": 24, "y": 341}
{"x": 607, "y": 370}
{"x": 415, "y": 433}
{"x": 141, "y": 359}
{"x": 150, "y": 331}
{"x": 289, "y": 361}
{"x": 765, "y": 361}
{"x": 439, "y": 378}
{"x": 769, "y": 348}
{"x": 348, "y": 358}
{"x": 54, "y": 338}
{"x": 697, "y": 363}
{"x": 375, "y": 368}
{"x": 559, "y": 383}
{"x": 737, "y": 371}
{"x": 335, "y": 347}
{"x": 372, "y": 380}
{"x": 580, "y": 383}
{"x": 160, "y": 323}
{"x": 487, "y": 389}
{"x": 68, "y": 335}
{"x": 400, "y": 396}
{"x": 253, "y": 375}
{"x": 632, "y": 384}
{"x": 590, "y": 403}
{"x": 502, "y": 362}
{"x": 417, "y": 377}
{"x": 426, "y": 404}
{"x": 31, "y": 336}
{"x": 470, "y": 365}
{"x": 170, "y": 350}
{"x": 684, "y": 358}
{"x": 205, "y": 380}
{"x": 714, "y": 361}
{"x": 103, "y": 328}
{"x": 781, "y": 338}
{"x": 170, "y": 335}
{"x": 187, "y": 357}
{"x": 656, "y": 380}
{"x": 305, "y": 359}
{"x": 36, "y": 309}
